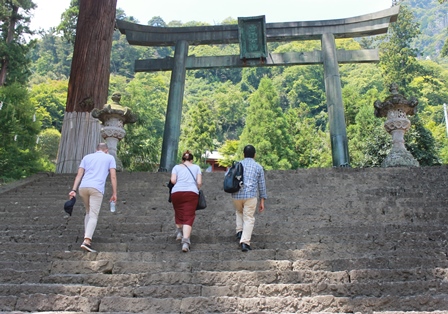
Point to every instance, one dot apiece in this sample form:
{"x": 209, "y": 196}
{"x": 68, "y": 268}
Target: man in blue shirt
{"x": 245, "y": 200}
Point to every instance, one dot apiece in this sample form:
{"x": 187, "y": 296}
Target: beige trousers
{"x": 92, "y": 199}
{"x": 245, "y": 220}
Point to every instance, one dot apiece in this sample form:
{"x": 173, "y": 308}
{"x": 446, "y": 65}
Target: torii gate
{"x": 326, "y": 31}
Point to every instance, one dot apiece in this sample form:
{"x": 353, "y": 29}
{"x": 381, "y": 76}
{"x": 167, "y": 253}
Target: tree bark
{"x": 5, "y": 60}
{"x": 88, "y": 83}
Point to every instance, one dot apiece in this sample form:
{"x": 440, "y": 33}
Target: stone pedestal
{"x": 396, "y": 108}
{"x": 113, "y": 117}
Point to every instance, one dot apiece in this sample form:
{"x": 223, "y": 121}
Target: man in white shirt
{"x": 91, "y": 180}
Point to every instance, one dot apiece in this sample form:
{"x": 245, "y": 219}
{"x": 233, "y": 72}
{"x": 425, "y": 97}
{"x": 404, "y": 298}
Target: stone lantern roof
{"x": 395, "y": 101}
{"x": 124, "y": 113}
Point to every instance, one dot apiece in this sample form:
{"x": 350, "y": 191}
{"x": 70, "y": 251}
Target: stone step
{"x": 216, "y": 262}
{"x": 323, "y": 250}
{"x": 39, "y": 302}
{"x": 251, "y": 290}
{"x": 383, "y": 213}
{"x": 262, "y": 227}
{"x": 104, "y": 273}
{"x": 382, "y": 209}
{"x": 272, "y": 304}
{"x": 165, "y": 233}
{"x": 299, "y": 258}
{"x": 268, "y": 219}
{"x": 24, "y": 265}
{"x": 315, "y": 305}
{"x": 286, "y": 271}
{"x": 288, "y": 251}
{"x": 108, "y": 224}
{"x": 11, "y": 255}
{"x": 11, "y": 275}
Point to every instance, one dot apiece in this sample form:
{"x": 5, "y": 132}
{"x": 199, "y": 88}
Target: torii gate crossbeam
{"x": 326, "y": 31}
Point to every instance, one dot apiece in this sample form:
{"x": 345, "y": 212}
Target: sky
{"x": 48, "y": 12}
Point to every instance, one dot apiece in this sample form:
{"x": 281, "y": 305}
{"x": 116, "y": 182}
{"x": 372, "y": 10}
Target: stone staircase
{"x": 330, "y": 241}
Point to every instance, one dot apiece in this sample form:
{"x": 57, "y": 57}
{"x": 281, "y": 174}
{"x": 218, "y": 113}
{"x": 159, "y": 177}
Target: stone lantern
{"x": 113, "y": 117}
{"x": 396, "y": 108}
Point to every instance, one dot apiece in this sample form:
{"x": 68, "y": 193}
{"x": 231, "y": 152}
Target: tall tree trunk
{"x": 88, "y": 83}
{"x": 5, "y": 60}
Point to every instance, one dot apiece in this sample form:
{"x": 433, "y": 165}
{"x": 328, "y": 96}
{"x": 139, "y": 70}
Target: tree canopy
{"x": 280, "y": 110}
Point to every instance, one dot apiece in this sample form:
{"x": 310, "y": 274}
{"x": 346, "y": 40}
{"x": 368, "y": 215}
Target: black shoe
{"x": 245, "y": 247}
{"x": 239, "y": 234}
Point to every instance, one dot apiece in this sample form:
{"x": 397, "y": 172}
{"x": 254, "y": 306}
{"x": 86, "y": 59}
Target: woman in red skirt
{"x": 187, "y": 180}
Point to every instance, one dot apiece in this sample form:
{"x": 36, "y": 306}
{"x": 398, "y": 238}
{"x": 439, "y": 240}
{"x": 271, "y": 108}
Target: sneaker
{"x": 87, "y": 247}
{"x": 185, "y": 245}
{"x": 179, "y": 235}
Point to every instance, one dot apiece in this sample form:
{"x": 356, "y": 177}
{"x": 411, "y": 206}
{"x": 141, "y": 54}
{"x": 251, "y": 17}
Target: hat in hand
{"x": 68, "y": 206}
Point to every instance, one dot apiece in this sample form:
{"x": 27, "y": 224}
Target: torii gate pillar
{"x": 171, "y": 133}
{"x": 336, "y": 116}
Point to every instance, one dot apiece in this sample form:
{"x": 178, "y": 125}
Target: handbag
{"x": 201, "y": 202}
{"x": 170, "y": 186}
{"x": 201, "y": 197}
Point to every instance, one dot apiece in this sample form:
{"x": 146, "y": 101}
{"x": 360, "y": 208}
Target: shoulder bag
{"x": 201, "y": 201}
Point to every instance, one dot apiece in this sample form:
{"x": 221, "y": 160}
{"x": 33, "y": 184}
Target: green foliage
{"x": 229, "y": 105}
{"x": 311, "y": 143}
{"x": 302, "y": 84}
{"x": 217, "y": 74}
{"x": 352, "y": 99}
{"x": 157, "y": 21}
{"x": 51, "y": 58}
{"x": 50, "y": 98}
{"x": 420, "y": 143}
{"x": 69, "y": 19}
{"x": 229, "y": 152}
{"x": 139, "y": 151}
{"x": 123, "y": 55}
{"x": 48, "y": 145}
{"x": 361, "y": 78}
{"x": 146, "y": 96}
{"x": 252, "y": 76}
{"x": 430, "y": 88}
{"x": 14, "y": 48}
{"x": 371, "y": 150}
{"x": 444, "y": 51}
{"x": 267, "y": 129}
{"x": 369, "y": 142}
{"x": 229, "y": 21}
{"x": 398, "y": 60}
{"x": 432, "y": 18}
{"x": 299, "y": 46}
{"x": 198, "y": 129}
{"x": 433, "y": 119}
{"x": 18, "y": 155}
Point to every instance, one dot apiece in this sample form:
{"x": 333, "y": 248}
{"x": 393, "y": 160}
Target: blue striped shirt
{"x": 254, "y": 182}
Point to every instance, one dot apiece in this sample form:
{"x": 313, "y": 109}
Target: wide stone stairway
{"x": 329, "y": 241}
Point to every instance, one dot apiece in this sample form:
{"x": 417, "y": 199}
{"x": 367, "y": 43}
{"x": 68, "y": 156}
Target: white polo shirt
{"x": 96, "y": 169}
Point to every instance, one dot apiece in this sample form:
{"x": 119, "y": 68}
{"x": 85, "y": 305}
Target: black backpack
{"x": 233, "y": 180}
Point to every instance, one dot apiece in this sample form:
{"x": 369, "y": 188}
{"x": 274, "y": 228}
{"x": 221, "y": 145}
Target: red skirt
{"x": 184, "y": 204}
